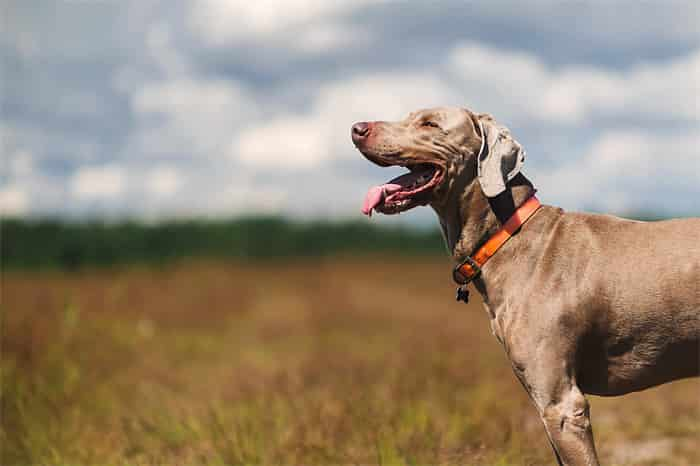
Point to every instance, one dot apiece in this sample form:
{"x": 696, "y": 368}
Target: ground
{"x": 339, "y": 361}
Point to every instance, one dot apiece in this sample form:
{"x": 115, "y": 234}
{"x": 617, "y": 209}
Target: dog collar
{"x": 470, "y": 268}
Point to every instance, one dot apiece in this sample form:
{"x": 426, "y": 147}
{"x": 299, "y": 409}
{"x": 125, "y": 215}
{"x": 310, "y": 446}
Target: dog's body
{"x": 581, "y": 303}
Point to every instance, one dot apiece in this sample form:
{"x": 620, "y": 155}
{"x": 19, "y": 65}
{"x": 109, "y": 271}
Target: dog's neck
{"x": 469, "y": 219}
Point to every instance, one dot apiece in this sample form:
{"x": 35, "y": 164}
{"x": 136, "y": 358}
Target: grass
{"x": 337, "y": 361}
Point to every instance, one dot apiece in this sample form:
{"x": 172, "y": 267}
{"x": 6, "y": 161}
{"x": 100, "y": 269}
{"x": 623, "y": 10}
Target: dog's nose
{"x": 360, "y": 131}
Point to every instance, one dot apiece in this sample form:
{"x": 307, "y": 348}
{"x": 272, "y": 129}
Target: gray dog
{"x": 581, "y": 303}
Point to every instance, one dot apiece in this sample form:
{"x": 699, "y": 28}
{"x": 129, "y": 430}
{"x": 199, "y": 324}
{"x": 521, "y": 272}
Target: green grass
{"x": 332, "y": 362}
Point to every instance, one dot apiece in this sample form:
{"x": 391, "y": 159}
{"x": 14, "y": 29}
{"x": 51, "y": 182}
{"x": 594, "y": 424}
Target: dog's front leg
{"x": 563, "y": 409}
{"x": 568, "y": 424}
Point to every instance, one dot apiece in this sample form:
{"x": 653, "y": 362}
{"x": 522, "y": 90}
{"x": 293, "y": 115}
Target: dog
{"x": 581, "y": 303}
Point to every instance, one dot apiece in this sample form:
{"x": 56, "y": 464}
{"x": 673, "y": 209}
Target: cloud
{"x": 519, "y": 85}
{"x": 322, "y": 38}
{"x": 98, "y": 183}
{"x": 194, "y": 114}
{"x": 246, "y": 197}
{"x": 386, "y": 95}
{"x": 14, "y": 201}
{"x": 629, "y": 170}
{"x": 163, "y": 181}
{"x": 220, "y": 107}
{"x": 226, "y": 22}
{"x": 283, "y": 143}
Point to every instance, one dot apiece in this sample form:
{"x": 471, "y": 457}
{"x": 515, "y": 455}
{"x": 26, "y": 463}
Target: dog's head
{"x": 443, "y": 149}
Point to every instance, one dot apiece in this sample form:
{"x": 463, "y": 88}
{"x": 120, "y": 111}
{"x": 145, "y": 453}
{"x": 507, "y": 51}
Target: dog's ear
{"x": 500, "y": 158}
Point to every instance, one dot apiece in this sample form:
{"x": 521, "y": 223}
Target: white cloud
{"x": 501, "y": 82}
{"x": 227, "y": 95}
{"x": 322, "y": 38}
{"x": 13, "y": 201}
{"x": 241, "y": 196}
{"x": 98, "y": 183}
{"x": 517, "y": 85}
{"x": 625, "y": 170}
{"x": 163, "y": 181}
{"x": 221, "y": 22}
{"x": 390, "y": 95}
{"x": 199, "y": 115}
{"x": 295, "y": 143}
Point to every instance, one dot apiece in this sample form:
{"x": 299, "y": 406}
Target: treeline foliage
{"x": 59, "y": 244}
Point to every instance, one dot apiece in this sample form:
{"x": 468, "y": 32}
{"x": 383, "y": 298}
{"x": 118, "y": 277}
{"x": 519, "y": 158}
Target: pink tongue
{"x": 376, "y": 195}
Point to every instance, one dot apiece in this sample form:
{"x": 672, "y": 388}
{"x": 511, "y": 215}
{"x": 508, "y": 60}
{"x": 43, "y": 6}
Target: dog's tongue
{"x": 408, "y": 181}
{"x": 376, "y": 196}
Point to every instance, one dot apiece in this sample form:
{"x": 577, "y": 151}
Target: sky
{"x": 157, "y": 109}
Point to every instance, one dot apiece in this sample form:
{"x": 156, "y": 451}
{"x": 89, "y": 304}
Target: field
{"x": 333, "y": 361}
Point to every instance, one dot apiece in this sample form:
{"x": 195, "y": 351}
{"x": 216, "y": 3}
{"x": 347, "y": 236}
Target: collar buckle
{"x": 460, "y": 277}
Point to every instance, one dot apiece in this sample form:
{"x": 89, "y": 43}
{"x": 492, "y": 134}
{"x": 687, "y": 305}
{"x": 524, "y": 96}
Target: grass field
{"x": 341, "y": 361}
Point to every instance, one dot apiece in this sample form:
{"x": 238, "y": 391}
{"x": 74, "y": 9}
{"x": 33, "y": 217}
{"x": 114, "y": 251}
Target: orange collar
{"x": 470, "y": 268}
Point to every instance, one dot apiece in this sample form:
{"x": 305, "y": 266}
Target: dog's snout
{"x": 360, "y": 131}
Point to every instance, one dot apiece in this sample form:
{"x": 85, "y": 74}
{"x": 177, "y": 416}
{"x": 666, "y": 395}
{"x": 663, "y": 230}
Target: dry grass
{"x": 336, "y": 362}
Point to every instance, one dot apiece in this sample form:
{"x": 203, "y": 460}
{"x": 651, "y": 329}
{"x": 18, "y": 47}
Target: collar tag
{"x": 463, "y": 294}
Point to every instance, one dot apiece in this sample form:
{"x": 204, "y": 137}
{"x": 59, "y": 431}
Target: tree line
{"x": 51, "y": 243}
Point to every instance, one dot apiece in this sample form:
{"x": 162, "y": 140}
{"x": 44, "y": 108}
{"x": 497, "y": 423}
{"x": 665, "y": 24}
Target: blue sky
{"x": 158, "y": 109}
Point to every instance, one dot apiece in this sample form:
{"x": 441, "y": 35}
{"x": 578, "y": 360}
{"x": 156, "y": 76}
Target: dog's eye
{"x": 430, "y": 123}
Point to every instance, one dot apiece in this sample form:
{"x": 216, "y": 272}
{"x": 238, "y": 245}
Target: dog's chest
{"x": 495, "y": 323}
{"x": 509, "y": 325}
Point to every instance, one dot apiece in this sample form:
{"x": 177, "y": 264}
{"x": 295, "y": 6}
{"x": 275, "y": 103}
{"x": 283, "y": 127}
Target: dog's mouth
{"x": 406, "y": 191}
